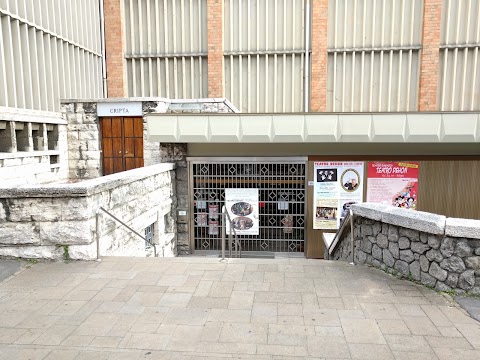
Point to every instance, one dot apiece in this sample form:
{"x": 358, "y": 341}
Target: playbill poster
{"x": 393, "y": 183}
{"x": 337, "y": 185}
{"x": 242, "y": 206}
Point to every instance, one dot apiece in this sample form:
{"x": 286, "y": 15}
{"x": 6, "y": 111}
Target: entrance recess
{"x": 122, "y": 144}
{"x": 281, "y": 201}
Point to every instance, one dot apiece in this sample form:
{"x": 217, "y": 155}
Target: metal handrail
{"x": 347, "y": 222}
{"x": 129, "y": 228}
{"x": 238, "y": 246}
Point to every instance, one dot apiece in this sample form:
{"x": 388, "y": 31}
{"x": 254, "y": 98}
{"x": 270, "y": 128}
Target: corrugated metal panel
{"x": 450, "y": 188}
{"x": 264, "y": 49}
{"x": 35, "y": 37}
{"x": 166, "y": 48}
{"x": 373, "y": 56}
{"x": 459, "y": 76}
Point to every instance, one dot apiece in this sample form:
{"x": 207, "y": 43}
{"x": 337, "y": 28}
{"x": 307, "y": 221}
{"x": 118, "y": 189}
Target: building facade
{"x": 296, "y": 83}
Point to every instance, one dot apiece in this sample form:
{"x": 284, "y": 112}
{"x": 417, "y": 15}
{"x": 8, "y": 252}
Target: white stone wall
{"x": 64, "y": 221}
{"x": 83, "y": 137}
{"x": 26, "y": 154}
{"x": 83, "y": 133}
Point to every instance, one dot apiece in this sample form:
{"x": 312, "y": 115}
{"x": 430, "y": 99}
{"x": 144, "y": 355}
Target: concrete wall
{"x": 33, "y": 147}
{"x": 60, "y": 220}
{"x": 440, "y": 252}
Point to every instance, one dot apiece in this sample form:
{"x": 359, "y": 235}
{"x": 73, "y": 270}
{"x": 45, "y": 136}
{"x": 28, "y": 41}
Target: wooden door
{"x": 122, "y": 144}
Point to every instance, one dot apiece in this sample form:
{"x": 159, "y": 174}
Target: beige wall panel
{"x": 35, "y": 36}
{"x": 166, "y": 48}
{"x": 459, "y": 73}
{"x": 373, "y": 57}
{"x": 450, "y": 188}
{"x": 264, "y": 48}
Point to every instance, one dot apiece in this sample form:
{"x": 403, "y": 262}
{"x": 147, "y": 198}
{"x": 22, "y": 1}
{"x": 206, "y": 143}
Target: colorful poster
{"x": 242, "y": 206}
{"x": 212, "y": 227}
{"x": 337, "y": 185}
{"x": 393, "y": 183}
{"x": 202, "y": 219}
{"x": 213, "y": 212}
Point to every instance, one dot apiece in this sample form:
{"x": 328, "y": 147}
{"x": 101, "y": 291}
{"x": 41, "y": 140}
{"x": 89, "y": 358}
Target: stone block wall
{"x": 83, "y": 135}
{"x": 83, "y": 130}
{"x": 63, "y": 220}
{"x": 33, "y": 147}
{"x": 442, "y": 253}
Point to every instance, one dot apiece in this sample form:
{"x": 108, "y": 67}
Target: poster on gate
{"x": 337, "y": 185}
{"x": 393, "y": 183}
{"x": 242, "y": 206}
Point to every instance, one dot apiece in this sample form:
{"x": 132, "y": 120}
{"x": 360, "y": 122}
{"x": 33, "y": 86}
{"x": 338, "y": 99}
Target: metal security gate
{"x": 282, "y": 200}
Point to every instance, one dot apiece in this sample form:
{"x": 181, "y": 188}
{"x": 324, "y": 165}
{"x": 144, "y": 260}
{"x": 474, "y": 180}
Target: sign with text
{"x": 393, "y": 183}
{"x": 109, "y": 109}
{"x": 338, "y": 185}
{"x": 242, "y": 206}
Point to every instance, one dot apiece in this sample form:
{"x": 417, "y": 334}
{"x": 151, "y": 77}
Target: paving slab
{"x": 9, "y": 267}
{"x": 193, "y": 307}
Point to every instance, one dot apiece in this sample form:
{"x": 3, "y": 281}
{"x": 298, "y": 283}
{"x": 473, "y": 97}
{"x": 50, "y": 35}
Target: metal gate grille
{"x": 281, "y": 188}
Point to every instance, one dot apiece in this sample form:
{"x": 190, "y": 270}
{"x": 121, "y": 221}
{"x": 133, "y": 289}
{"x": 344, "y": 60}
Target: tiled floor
{"x": 194, "y": 307}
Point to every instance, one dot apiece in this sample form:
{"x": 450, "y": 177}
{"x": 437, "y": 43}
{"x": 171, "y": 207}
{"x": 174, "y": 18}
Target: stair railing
{"x": 128, "y": 227}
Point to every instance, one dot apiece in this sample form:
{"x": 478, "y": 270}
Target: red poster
{"x": 393, "y": 183}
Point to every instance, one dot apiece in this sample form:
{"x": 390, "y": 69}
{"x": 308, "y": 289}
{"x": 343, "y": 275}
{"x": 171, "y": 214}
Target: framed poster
{"x": 242, "y": 206}
{"x": 393, "y": 183}
{"x": 337, "y": 185}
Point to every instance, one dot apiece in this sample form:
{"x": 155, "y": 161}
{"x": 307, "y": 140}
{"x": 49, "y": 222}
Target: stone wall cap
{"x": 466, "y": 228}
{"x": 372, "y": 211}
{"x": 86, "y": 187}
{"x": 416, "y": 220}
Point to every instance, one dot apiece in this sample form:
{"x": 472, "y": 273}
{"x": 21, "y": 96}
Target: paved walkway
{"x": 190, "y": 308}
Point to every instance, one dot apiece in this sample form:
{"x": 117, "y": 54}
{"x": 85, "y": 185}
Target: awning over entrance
{"x": 315, "y": 127}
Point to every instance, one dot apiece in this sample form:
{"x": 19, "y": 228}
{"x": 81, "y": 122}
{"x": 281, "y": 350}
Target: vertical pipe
{"x": 167, "y": 48}
{"x": 362, "y": 77}
{"x": 334, "y": 95}
{"x": 248, "y": 60}
{"x": 475, "y": 59}
{"x": 97, "y": 234}
{"x": 306, "y": 92}
{"x": 465, "y": 55}
{"x": 240, "y": 61}
{"x": 352, "y": 238}
{"x": 352, "y": 99}
{"x": 445, "y": 59}
{"x": 372, "y": 55}
{"x": 344, "y": 54}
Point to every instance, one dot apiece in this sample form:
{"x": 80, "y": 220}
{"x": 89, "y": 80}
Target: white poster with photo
{"x": 337, "y": 185}
{"x": 242, "y": 206}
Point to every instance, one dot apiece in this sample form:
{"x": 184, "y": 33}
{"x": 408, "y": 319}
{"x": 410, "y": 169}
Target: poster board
{"x": 393, "y": 183}
{"x": 242, "y": 206}
{"x": 337, "y": 185}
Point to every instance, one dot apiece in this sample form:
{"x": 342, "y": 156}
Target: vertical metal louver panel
{"x": 166, "y": 48}
{"x": 49, "y": 50}
{"x": 373, "y": 55}
{"x": 264, "y": 50}
{"x": 459, "y": 74}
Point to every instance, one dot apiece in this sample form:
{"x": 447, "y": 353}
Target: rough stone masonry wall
{"x": 55, "y": 221}
{"x": 438, "y": 252}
